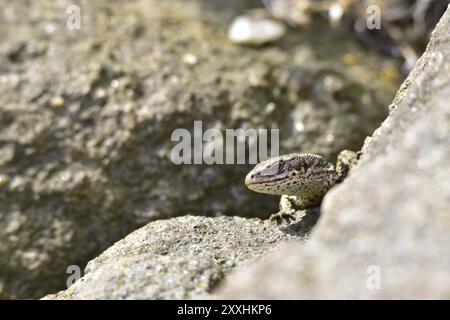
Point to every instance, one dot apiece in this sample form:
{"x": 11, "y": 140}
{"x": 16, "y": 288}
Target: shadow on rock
{"x": 303, "y": 227}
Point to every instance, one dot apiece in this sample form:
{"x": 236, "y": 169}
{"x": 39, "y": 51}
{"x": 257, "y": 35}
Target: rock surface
{"x": 86, "y": 117}
{"x": 180, "y": 258}
{"x": 385, "y": 232}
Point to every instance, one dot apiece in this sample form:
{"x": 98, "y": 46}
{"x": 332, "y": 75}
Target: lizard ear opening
{"x": 298, "y": 165}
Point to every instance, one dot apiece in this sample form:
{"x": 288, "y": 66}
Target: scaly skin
{"x": 301, "y": 179}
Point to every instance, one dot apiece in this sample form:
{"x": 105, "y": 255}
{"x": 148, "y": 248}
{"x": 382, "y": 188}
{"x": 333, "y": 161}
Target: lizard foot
{"x": 281, "y": 216}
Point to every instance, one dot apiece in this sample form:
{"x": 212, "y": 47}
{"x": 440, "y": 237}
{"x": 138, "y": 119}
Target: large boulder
{"x": 385, "y": 232}
{"x": 180, "y": 258}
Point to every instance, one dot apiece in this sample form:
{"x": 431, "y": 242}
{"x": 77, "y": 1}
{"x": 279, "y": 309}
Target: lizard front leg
{"x": 346, "y": 160}
{"x": 287, "y": 207}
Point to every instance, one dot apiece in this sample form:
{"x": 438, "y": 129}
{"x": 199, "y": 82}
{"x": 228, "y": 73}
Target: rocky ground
{"x": 391, "y": 217}
{"x": 86, "y": 117}
{"x": 181, "y": 258}
{"x": 389, "y": 220}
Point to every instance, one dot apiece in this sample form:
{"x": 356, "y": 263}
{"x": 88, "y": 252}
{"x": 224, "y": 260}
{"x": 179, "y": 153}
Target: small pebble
{"x": 299, "y": 126}
{"x": 335, "y": 13}
{"x": 329, "y": 137}
{"x": 270, "y": 107}
{"x": 190, "y": 59}
{"x": 100, "y": 93}
{"x": 247, "y": 30}
{"x": 57, "y": 102}
{"x": 3, "y": 180}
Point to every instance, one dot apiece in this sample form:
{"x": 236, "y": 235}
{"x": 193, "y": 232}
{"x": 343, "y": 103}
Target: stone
{"x": 246, "y": 30}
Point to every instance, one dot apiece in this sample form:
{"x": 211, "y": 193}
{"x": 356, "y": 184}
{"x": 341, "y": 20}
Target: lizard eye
{"x": 282, "y": 165}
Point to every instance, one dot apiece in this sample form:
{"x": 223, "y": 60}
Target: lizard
{"x": 301, "y": 179}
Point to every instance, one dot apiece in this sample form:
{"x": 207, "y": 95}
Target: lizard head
{"x": 291, "y": 174}
{"x": 276, "y": 175}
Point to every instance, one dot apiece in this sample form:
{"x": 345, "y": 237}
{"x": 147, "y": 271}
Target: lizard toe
{"x": 281, "y": 217}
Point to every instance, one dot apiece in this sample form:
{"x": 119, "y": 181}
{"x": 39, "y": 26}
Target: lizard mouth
{"x": 251, "y": 181}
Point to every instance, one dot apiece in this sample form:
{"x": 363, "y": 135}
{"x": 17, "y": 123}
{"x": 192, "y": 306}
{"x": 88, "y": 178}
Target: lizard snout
{"x": 249, "y": 178}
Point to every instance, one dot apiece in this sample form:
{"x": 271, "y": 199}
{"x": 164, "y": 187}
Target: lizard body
{"x": 301, "y": 179}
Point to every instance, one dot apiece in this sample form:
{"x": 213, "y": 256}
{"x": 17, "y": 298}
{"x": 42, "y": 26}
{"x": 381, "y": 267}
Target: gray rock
{"x": 86, "y": 118}
{"x": 246, "y": 30}
{"x": 179, "y": 258}
{"x": 390, "y": 218}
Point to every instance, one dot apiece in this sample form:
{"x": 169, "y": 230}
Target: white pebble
{"x": 190, "y": 59}
{"x": 255, "y": 31}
